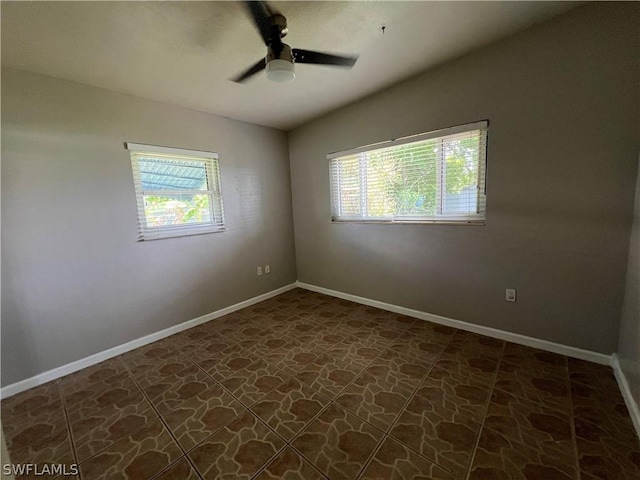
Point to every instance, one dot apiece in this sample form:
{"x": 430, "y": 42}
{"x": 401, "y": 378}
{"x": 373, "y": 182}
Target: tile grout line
{"x": 414, "y": 391}
{"x": 356, "y": 376}
{"x": 184, "y": 453}
{"x": 166, "y": 427}
{"x": 258, "y": 419}
{"x": 486, "y": 411}
{"x": 168, "y": 467}
{"x": 304, "y": 428}
{"x": 68, "y": 425}
{"x": 247, "y": 406}
{"x": 480, "y": 423}
{"x": 385, "y": 433}
{"x": 270, "y": 459}
{"x": 108, "y": 446}
{"x": 574, "y": 437}
{"x": 71, "y": 437}
{"x": 288, "y": 444}
{"x": 187, "y": 452}
{"x": 406, "y": 404}
{"x": 372, "y": 456}
{"x": 313, "y": 419}
{"x": 325, "y": 352}
{"x": 193, "y": 467}
{"x": 247, "y": 410}
{"x": 553, "y": 408}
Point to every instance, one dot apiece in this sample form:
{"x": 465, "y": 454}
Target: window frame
{"x": 441, "y": 218}
{"x": 211, "y": 164}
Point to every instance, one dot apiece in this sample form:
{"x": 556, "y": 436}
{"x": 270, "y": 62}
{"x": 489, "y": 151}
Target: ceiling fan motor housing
{"x": 280, "y": 67}
{"x": 285, "y": 54}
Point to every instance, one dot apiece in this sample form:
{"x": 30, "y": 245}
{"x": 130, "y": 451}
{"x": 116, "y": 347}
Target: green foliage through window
{"x": 424, "y": 179}
{"x": 177, "y": 191}
{"x": 176, "y": 209}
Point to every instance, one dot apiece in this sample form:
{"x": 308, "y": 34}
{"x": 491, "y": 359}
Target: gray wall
{"x": 562, "y": 100}
{"x": 629, "y": 345}
{"x": 75, "y": 281}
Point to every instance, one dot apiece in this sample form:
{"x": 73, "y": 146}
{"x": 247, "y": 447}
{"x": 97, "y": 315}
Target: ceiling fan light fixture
{"x": 280, "y": 71}
{"x": 280, "y": 59}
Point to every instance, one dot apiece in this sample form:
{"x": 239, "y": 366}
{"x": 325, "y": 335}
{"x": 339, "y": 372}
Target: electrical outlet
{"x": 510, "y": 295}
{"x": 259, "y": 270}
{"x": 267, "y": 269}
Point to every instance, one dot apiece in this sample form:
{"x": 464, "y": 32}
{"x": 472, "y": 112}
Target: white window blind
{"x": 434, "y": 177}
{"x": 177, "y": 191}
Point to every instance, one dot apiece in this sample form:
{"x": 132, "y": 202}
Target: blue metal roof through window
{"x": 158, "y": 173}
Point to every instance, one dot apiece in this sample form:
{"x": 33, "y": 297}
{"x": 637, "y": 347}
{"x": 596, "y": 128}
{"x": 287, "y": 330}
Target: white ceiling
{"x": 183, "y": 53}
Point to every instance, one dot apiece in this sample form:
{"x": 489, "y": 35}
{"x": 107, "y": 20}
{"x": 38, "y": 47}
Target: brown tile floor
{"x": 306, "y": 386}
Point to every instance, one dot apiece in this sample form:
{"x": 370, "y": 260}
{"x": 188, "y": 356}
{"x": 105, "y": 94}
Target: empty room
{"x": 319, "y": 240}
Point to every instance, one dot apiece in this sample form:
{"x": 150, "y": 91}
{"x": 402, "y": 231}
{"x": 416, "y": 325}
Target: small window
{"x": 436, "y": 177}
{"x": 177, "y": 191}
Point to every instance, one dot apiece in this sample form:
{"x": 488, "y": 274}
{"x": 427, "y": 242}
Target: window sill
{"x": 160, "y": 234}
{"x": 478, "y": 223}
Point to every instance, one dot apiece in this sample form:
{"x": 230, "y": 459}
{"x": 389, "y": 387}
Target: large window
{"x": 435, "y": 177}
{"x": 177, "y": 191}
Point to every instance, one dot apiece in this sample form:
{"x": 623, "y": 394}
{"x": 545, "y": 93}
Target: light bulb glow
{"x": 280, "y": 71}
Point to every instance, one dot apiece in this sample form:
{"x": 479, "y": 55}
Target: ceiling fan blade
{"x": 261, "y": 14}
{"x": 309, "y": 56}
{"x": 251, "y": 71}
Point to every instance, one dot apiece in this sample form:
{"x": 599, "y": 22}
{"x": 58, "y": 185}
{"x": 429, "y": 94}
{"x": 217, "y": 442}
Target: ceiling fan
{"x": 280, "y": 59}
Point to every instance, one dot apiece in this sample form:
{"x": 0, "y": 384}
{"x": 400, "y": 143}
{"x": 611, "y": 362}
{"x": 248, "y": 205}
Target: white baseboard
{"x": 632, "y": 406}
{"x": 574, "y": 352}
{"x": 72, "y": 367}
